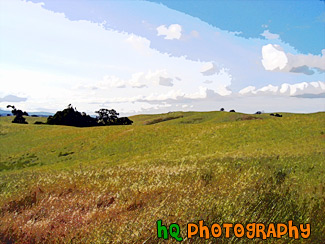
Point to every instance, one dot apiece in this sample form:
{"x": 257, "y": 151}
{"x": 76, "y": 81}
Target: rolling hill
{"x": 110, "y": 184}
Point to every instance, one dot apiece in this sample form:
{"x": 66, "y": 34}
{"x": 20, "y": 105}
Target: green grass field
{"x": 61, "y": 184}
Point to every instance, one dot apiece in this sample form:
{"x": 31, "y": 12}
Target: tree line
{"x": 72, "y": 117}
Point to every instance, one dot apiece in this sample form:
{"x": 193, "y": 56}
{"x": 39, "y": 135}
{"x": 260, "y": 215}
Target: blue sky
{"x": 160, "y": 56}
{"x": 292, "y": 20}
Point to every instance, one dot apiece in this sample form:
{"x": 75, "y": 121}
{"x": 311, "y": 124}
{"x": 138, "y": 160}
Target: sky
{"x": 159, "y": 56}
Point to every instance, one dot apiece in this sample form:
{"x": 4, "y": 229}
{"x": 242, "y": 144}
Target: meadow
{"x": 110, "y": 184}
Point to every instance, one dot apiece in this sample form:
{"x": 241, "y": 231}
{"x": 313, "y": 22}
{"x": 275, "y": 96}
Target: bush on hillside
{"x": 276, "y": 115}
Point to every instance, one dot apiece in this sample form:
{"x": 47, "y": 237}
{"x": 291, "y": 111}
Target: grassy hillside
{"x": 111, "y": 184}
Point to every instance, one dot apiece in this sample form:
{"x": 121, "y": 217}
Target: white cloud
{"x": 275, "y": 59}
{"x": 200, "y": 94}
{"x": 177, "y": 96}
{"x": 270, "y": 36}
{"x": 111, "y": 81}
{"x": 208, "y": 81}
{"x": 316, "y": 87}
{"x": 300, "y": 60}
{"x": 138, "y": 80}
{"x": 158, "y": 77}
{"x": 165, "y": 81}
{"x": 142, "y": 45}
{"x": 209, "y": 68}
{"x": 107, "y": 82}
{"x": 174, "y": 31}
{"x": 247, "y": 90}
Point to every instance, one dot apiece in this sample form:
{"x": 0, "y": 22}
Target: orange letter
{"x": 260, "y": 230}
{"x": 250, "y": 227}
{"x": 270, "y": 231}
{"x": 191, "y": 233}
{"x": 307, "y": 230}
{"x": 218, "y": 234}
{"x": 205, "y": 229}
{"x": 293, "y": 228}
{"x": 227, "y": 226}
{"x": 241, "y": 232}
{"x": 281, "y": 233}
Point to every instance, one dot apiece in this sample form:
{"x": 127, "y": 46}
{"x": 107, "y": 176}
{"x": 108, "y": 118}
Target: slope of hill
{"x": 111, "y": 184}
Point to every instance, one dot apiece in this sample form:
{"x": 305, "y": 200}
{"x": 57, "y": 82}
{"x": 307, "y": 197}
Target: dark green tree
{"x": 107, "y": 116}
{"x": 19, "y": 119}
{"x": 70, "y": 116}
{"x": 110, "y": 117}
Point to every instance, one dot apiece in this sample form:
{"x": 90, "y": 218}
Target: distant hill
{"x": 40, "y": 114}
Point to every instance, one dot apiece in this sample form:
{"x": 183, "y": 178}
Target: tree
{"x": 222, "y": 109}
{"x": 124, "y": 121}
{"x": 70, "y": 116}
{"x": 19, "y": 119}
{"x": 107, "y": 116}
{"x": 110, "y": 117}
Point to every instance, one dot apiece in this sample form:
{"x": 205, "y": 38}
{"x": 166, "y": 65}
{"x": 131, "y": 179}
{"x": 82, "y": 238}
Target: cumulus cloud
{"x": 174, "y": 31}
{"x": 165, "y": 81}
{"x": 174, "y": 96}
{"x": 247, "y": 90}
{"x": 304, "y": 61}
{"x": 209, "y": 69}
{"x": 108, "y": 81}
{"x": 275, "y": 59}
{"x": 249, "y": 96}
{"x": 139, "y": 43}
{"x": 112, "y": 81}
{"x": 315, "y": 87}
{"x": 302, "y": 69}
{"x": 208, "y": 82}
{"x": 270, "y": 36}
{"x": 138, "y": 80}
{"x": 158, "y": 77}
